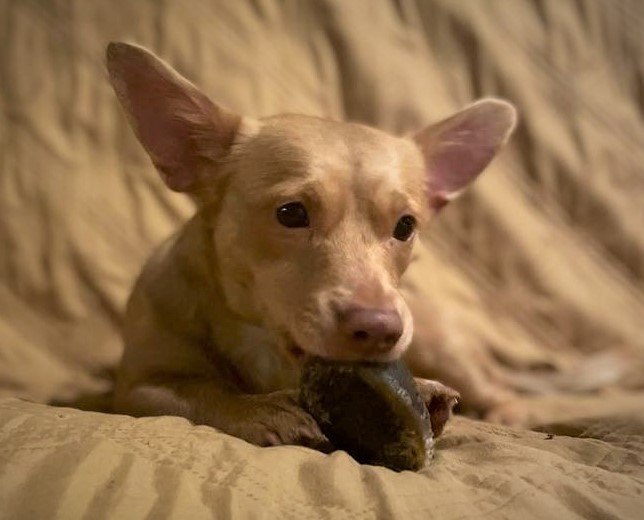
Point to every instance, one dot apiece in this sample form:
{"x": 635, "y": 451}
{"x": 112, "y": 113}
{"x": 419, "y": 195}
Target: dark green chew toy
{"x": 371, "y": 410}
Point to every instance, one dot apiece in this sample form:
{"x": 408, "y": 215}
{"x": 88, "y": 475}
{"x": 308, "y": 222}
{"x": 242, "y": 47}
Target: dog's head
{"x": 313, "y": 221}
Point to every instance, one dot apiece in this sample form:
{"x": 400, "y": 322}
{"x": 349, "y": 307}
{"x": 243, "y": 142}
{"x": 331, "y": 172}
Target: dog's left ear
{"x": 458, "y": 148}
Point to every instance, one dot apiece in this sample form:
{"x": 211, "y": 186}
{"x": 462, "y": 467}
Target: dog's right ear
{"x": 184, "y": 132}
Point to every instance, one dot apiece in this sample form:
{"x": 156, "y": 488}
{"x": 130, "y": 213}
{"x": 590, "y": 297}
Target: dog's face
{"x": 314, "y": 230}
{"x": 313, "y": 220}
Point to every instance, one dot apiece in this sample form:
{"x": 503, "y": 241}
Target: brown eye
{"x": 293, "y": 215}
{"x": 404, "y": 228}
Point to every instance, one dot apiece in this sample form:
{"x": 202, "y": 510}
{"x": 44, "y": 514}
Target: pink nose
{"x": 370, "y": 330}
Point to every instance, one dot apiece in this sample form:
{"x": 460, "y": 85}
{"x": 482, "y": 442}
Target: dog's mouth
{"x": 296, "y": 353}
{"x": 290, "y": 348}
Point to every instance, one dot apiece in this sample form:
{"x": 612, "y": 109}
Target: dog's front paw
{"x": 440, "y": 401}
{"x": 276, "y": 419}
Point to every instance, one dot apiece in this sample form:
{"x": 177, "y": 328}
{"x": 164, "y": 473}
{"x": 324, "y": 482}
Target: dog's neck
{"x": 252, "y": 350}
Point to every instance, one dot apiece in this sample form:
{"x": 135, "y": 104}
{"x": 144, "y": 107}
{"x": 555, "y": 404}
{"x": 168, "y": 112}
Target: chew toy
{"x": 373, "y": 411}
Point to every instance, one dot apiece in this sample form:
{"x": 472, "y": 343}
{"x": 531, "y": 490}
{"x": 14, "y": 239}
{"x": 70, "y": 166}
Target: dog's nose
{"x": 371, "y": 330}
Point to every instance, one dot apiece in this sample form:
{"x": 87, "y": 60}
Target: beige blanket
{"x": 69, "y": 464}
{"x": 544, "y": 259}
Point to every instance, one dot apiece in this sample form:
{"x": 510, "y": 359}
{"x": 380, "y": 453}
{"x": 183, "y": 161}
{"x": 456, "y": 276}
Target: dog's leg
{"x": 441, "y": 351}
{"x": 461, "y": 369}
{"x": 262, "y": 419}
{"x": 172, "y": 366}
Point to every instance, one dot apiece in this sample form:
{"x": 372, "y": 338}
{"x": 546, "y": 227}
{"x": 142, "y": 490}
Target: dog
{"x": 303, "y": 230}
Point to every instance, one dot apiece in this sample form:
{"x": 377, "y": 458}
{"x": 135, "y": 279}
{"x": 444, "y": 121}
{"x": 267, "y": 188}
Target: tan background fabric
{"x": 544, "y": 258}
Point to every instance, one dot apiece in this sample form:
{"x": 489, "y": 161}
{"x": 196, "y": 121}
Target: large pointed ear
{"x": 458, "y": 148}
{"x": 184, "y": 132}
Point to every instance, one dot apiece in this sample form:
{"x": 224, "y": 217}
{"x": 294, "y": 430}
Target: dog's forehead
{"x": 290, "y": 147}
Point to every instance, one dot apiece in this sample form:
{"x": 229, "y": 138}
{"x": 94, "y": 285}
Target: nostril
{"x": 361, "y": 335}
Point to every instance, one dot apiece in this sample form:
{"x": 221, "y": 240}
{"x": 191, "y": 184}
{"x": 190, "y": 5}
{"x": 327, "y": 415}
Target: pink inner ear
{"x": 459, "y": 148}
{"x": 178, "y": 125}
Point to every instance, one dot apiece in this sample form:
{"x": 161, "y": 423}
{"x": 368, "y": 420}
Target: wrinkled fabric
{"x": 71, "y": 464}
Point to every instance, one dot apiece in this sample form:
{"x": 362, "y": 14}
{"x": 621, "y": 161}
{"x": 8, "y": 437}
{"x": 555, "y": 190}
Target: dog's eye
{"x": 404, "y": 228}
{"x": 293, "y": 215}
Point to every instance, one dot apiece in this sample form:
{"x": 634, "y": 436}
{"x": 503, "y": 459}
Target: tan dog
{"x": 303, "y": 230}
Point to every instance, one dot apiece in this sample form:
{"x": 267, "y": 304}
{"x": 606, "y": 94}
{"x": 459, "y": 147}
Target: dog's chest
{"x": 253, "y": 352}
